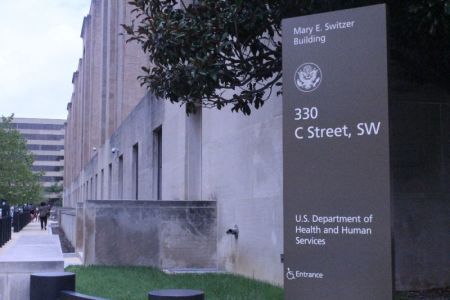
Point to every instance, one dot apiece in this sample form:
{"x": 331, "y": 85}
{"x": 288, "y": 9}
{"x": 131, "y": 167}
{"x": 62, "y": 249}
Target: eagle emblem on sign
{"x": 308, "y": 77}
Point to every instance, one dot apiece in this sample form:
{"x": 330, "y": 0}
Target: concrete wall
{"x": 79, "y": 233}
{"x": 224, "y": 157}
{"x": 68, "y": 224}
{"x": 164, "y": 234}
{"x": 420, "y": 163}
{"x": 105, "y": 87}
{"x": 242, "y": 171}
{"x": 422, "y": 244}
{"x": 238, "y": 165}
{"x": 15, "y": 277}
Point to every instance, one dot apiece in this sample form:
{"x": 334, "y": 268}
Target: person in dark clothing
{"x": 5, "y": 208}
{"x": 44, "y": 212}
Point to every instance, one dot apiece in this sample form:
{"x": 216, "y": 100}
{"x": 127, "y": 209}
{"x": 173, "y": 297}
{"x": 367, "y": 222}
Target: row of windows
{"x": 45, "y": 147}
{"x": 51, "y": 178}
{"x": 43, "y": 137}
{"x": 48, "y": 157}
{"x": 47, "y": 168}
{"x": 91, "y": 185}
{"x": 37, "y": 126}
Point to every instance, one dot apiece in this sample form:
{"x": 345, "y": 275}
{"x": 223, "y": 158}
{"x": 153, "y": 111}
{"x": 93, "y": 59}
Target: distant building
{"x": 45, "y": 139}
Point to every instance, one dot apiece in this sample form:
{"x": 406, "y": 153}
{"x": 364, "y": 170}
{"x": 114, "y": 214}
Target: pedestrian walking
{"x": 33, "y": 213}
{"x": 44, "y": 212}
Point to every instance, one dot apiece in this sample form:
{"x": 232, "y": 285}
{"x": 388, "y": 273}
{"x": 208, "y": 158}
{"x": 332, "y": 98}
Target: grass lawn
{"x": 133, "y": 283}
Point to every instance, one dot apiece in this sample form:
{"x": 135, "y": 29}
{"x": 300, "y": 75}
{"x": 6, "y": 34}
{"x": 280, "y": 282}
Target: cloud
{"x": 39, "y": 50}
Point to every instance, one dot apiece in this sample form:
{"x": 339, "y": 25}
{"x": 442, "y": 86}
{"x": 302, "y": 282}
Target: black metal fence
{"x": 20, "y": 220}
{"x": 5, "y": 230}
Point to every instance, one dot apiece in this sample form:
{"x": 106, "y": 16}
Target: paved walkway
{"x": 33, "y": 243}
{"x": 29, "y": 251}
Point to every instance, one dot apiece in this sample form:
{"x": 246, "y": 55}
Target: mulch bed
{"x": 66, "y": 246}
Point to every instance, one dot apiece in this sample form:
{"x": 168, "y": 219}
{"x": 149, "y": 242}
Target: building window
{"x": 102, "y": 183}
{"x": 135, "y": 170}
{"x": 95, "y": 186}
{"x": 48, "y": 158}
{"x": 193, "y": 157}
{"x": 157, "y": 140}
{"x": 43, "y": 137}
{"x": 91, "y": 191}
{"x": 47, "y": 168}
{"x": 121, "y": 177}
{"x": 45, "y": 147}
{"x": 37, "y": 126}
{"x": 109, "y": 181}
{"x": 51, "y": 178}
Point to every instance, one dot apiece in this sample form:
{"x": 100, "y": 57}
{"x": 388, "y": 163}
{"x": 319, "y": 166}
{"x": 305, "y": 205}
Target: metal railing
{"x": 5, "y": 230}
{"x": 20, "y": 220}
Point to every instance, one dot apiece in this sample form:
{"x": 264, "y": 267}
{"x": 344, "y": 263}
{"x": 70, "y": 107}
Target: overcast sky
{"x": 40, "y": 46}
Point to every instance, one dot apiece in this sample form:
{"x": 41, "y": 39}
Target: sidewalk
{"x": 31, "y": 231}
{"x": 29, "y": 251}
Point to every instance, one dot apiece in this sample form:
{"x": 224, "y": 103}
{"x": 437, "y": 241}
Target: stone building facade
{"x": 122, "y": 144}
{"x": 132, "y": 159}
{"x": 45, "y": 140}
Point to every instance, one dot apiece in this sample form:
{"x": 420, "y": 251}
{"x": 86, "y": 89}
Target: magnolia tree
{"x": 18, "y": 184}
{"x": 214, "y": 53}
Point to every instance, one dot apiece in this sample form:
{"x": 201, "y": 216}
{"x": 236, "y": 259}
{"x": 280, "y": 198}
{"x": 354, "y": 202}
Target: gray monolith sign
{"x": 337, "y": 228}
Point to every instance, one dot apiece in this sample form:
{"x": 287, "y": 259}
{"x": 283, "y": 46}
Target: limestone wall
{"x": 68, "y": 224}
{"x": 224, "y": 157}
{"x": 242, "y": 171}
{"x": 106, "y": 88}
{"x": 420, "y": 164}
{"x": 237, "y": 165}
{"x": 164, "y": 234}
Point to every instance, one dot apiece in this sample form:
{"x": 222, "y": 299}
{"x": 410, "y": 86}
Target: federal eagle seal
{"x": 308, "y": 77}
